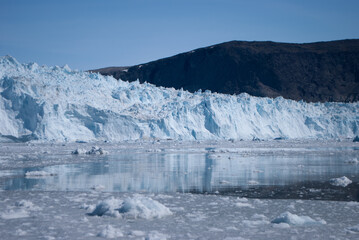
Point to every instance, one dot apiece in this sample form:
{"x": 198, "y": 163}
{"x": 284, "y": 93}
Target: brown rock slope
{"x": 322, "y": 71}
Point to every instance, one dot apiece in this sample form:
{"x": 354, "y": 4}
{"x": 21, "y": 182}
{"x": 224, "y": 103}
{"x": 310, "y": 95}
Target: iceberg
{"x": 59, "y": 104}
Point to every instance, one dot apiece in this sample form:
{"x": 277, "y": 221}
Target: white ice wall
{"x": 56, "y": 103}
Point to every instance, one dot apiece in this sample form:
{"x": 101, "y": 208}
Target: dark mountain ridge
{"x": 321, "y": 71}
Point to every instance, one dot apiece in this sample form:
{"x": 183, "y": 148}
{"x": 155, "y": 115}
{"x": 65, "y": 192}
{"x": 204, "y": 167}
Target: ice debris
{"x": 293, "y": 219}
{"x": 340, "y": 182}
{"x": 135, "y": 207}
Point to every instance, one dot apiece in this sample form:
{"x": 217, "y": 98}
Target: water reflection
{"x": 181, "y": 172}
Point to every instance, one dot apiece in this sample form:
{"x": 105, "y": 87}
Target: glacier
{"x": 59, "y": 104}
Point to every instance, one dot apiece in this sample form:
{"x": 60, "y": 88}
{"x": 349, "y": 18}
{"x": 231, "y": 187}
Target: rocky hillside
{"x": 322, "y": 71}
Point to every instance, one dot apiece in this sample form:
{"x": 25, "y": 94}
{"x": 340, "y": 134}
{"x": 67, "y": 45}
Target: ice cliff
{"x": 60, "y": 104}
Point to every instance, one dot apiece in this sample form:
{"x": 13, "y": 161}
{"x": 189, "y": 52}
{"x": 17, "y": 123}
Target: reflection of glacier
{"x": 53, "y": 103}
{"x": 187, "y": 172}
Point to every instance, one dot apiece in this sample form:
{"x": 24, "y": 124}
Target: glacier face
{"x": 60, "y": 104}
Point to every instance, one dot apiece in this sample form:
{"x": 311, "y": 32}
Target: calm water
{"x": 182, "y": 172}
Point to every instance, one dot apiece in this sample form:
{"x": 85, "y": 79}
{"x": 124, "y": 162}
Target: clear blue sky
{"x": 91, "y": 34}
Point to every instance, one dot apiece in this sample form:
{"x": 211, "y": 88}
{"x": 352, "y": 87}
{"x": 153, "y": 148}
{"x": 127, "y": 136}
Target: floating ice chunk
{"x": 154, "y": 150}
{"x": 38, "y": 174}
{"x": 353, "y": 161}
{"x": 137, "y": 233}
{"x": 224, "y": 182}
{"x": 25, "y": 204}
{"x": 353, "y": 204}
{"x": 96, "y": 150}
{"x": 252, "y": 182}
{"x": 235, "y": 238}
{"x": 243, "y": 200}
{"x": 20, "y": 232}
{"x": 340, "y": 182}
{"x": 98, "y": 187}
{"x": 293, "y": 219}
{"x": 93, "y": 151}
{"x": 108, "y": 207}
{"x": 255, "y": 223}
{"x": 78, "y": 151}
{"x": 214, "y": 229}
{"x": 13, "y": 214}
{"x": 22, "y": 210}
{"x": 110, "y": 232}
{"x": 154, "y": 235}
{"x": 135, "y": 207}
{"x": 143, "y": 207}
{"x": 243, "y": 204}
{"x": 281, "y": 225}
{"x": 354, "y": 229}
{"x": 259, "y": 217}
